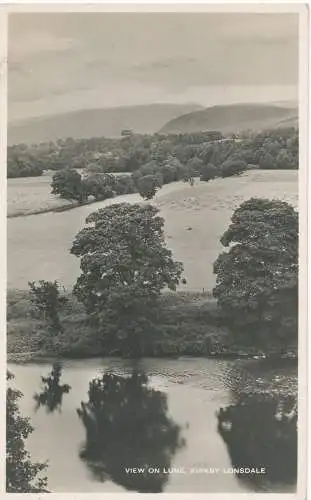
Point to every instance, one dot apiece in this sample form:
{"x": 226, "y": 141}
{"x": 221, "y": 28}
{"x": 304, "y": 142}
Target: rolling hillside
{"x": 107, "y": 122}
{"x": 233, "y": 118}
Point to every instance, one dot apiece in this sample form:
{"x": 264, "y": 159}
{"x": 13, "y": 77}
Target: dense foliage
{"x": 22, "y": 161}
{"x": 48, "y": 301}
{"x": 257, "y": 279}
{"x": 208, "y": 172}
{"x": 22, "y": 475}
{"x": 276, "y": 149}
{"x": 71, "y": 185}
{"x": 125, "y": 265}
{"x": 148, "y": 185}
{"x": 233, "y": 166}
{"x": 68, "y": 184}
{"x": 98, "y": 185}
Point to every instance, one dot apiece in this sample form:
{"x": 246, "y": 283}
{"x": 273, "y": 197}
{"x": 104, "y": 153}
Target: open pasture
{"x": 195, "y": 218}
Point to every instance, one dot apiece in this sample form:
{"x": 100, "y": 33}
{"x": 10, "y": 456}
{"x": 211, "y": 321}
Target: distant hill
{"x": 88, "y": 123}
{"x": 233, "y": 118}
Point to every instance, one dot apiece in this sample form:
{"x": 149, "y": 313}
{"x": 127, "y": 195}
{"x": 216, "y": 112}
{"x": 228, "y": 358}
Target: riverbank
{"x": 189, "y": 325}
{"x": 60, "y": 208}
{"x": 32, "y": 196}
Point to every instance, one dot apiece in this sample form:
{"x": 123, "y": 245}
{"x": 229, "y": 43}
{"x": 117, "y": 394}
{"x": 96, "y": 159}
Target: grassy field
{"x": 195, "y": 218}
{"x": 29, "y": 195}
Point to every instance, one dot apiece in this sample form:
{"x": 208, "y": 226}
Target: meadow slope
{"x": 195, "y": 218}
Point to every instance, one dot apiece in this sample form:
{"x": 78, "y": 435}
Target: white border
{"x": 242, "y": 6}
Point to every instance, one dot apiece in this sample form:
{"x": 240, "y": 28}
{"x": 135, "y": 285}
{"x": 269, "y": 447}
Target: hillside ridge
{"x": 88, "y": 123}
{"x": 232, "y": 118}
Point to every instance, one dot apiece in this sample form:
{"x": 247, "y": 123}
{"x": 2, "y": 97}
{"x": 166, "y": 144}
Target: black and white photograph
{"x": 154, "y": 225}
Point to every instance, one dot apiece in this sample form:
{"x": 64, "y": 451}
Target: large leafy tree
{"x": 17, "y": 166}
{"x": 266, "y": 160}
{"x": 22, "y": 475}
{"x": 99, "y": 185}
{"x": 194, "y": 166}
{"x": 233, "y": 166}
{"x": 171, "y": 169}
{"x": 125, "y": 265}
{"x": 147, "y": 186}
{"x": 285, "y": 160}
{"x": 257, "y": 279}
{"x": 152, "y": 168}
{"x": 68, "y": 184}
{"x": 48, "y": 301}
{"x": 208, "y": 172}
{"x": 124, "y": 184}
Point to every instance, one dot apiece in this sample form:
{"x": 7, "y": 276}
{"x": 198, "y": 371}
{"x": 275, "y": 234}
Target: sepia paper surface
{"x": 66, "y": 62}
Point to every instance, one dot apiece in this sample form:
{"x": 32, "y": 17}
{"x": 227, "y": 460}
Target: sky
{"x": 60, "y": 62}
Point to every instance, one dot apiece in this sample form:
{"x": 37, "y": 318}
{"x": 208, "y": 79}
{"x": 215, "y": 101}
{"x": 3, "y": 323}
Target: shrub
{"x": 233, "y": 167}
{"x": 148, "y": 185}
{"x": 101, "y": 186}
{"x": 208, "y": 172}
{"x": 124, "y": 184}
{"x": 46, "y": 298}
{"x": 68, "y": 184}
{"x": 194, "y": 166}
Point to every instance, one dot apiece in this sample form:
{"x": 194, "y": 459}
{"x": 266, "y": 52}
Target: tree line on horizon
{"x": 270, "y": 149}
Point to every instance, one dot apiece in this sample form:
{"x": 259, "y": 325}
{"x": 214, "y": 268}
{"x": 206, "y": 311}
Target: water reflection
{"x": 260, "y": 431}
{"x": 52, "y": 395}
{"x": 127, "y": 427}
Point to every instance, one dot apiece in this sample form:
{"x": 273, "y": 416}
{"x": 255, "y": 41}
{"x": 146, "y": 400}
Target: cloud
{"x": 53, "y": 56}
{"x": 34, "y": 44}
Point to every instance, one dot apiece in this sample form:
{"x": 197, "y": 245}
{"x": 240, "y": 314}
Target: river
{"x": 171, "y": 422}
{"x": 168, "y": 423}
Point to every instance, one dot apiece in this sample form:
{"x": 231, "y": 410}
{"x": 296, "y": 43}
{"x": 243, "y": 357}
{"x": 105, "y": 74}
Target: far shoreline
{"x": 29, "y": 358}
{"x": 61, "y": 208}
{"x": 29, "y": 339}
{"x": 165, "y": 189}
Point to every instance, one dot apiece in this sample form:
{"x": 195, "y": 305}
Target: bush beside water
{"x": 189, "y": 326}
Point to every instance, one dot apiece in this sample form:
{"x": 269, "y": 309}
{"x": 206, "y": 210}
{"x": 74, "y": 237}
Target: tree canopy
{"x": 208, "y": 172}
{"x": 278, "y": 149}
{"x": 257, "y": 279}
{"x": 147, "y": 186}
{"x": 233, "y": 166}
{"x": 22, "y": 475}
{"x": 68, "y": 184}
{"x": 125, "y": 264}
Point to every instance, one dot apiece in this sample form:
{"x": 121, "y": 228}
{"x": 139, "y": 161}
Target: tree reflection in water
{"x": 261, "y": 431}
{"x": 52, "y": 395}
{"x": 127, "y": 426}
